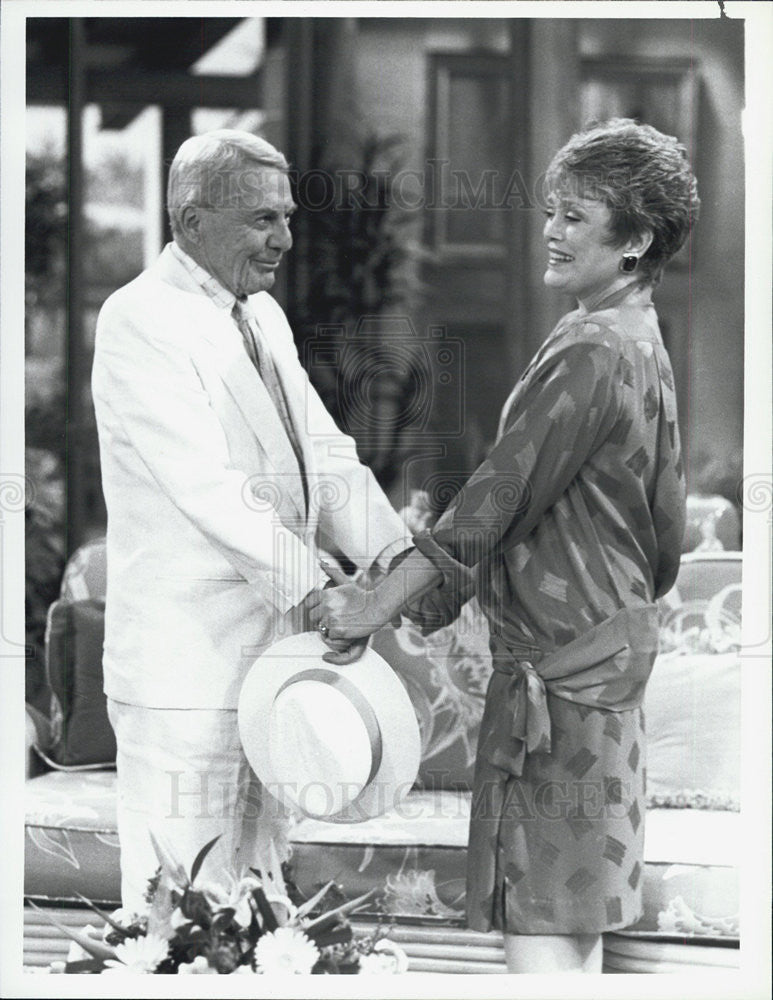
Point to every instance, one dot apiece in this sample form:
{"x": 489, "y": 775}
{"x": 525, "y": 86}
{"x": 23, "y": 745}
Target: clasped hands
{"x": 345, "y": 614}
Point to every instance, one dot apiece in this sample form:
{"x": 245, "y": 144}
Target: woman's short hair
{"x": 209, "y": 170}
{"x": 643, "y": 177}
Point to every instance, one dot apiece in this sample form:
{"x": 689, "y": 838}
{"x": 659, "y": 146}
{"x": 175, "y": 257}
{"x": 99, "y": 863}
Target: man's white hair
{"x": 210, "y": 170}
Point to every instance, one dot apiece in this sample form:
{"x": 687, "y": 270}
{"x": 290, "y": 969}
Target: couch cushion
{"x": 71, "y": 843}
{"x": 79, "y": 733}
{"x": 691, "y": 879}
{"x": 692, "y": 714}
{"x": 415, "y": 853}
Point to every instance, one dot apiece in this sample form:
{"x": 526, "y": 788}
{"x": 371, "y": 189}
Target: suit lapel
{"x": 226, "y": 354}
{"x": 295, "y": 387}
{"x": 297, "y": 406}
{"x": 250, "y": 395}
{"x": 229, "y": 358}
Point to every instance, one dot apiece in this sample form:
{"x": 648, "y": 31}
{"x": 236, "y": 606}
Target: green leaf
{"x": 342, "y": 910}
{"x": 200, "y": 857}
{"x": 270, "y": 922}
{"x": 316, "y": 898}
{"x": 85, "y": 965}
{"x": 108, "y": 919}
{"x": 170, "y": 866}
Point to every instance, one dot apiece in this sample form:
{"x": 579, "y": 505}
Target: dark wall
{"x": 701, "y": 306}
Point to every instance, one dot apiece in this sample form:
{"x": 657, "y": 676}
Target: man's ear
{"x": 189, "y": 223}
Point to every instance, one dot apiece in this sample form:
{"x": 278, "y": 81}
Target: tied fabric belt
{"x": 607, "y": 667}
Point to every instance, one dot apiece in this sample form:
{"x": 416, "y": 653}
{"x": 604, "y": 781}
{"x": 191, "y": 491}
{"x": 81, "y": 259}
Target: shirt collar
{"x": 211, "y": 287}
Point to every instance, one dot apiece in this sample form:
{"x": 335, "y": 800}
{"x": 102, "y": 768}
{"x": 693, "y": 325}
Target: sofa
{"x": 416, "y": 853}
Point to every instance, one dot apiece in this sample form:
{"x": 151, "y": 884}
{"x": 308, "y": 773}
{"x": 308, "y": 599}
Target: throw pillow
{"x": 693, "y": 720}
{"x": 80, "y": 734}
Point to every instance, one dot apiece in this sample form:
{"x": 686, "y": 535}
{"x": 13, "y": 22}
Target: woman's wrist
{"x": 383, "y": 603}
{"x": 402, "y": 585}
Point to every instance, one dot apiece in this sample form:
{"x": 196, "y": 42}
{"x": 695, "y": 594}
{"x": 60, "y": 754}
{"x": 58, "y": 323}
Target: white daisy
{"x": 143, "y": 954}
{"x": 286, "y": 951}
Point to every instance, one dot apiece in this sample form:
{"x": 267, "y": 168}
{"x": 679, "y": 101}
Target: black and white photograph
{"x": 385, "y": 498}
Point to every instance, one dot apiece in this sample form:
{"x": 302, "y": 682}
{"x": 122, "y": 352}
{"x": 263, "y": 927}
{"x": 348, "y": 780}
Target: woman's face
{"x": 581, "y": 261}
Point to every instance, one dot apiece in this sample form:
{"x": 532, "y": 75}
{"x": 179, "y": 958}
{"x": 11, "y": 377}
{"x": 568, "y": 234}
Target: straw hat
{"x": 340, "y": 743}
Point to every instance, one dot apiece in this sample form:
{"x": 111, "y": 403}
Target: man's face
{"x": 242, "y": 242}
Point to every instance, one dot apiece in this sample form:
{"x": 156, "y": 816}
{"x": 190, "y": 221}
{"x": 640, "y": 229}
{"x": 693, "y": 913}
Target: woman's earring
{"x": 629, "y": 263}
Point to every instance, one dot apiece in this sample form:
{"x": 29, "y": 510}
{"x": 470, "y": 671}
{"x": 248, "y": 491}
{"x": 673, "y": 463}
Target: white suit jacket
{"x": 207, "y": 539}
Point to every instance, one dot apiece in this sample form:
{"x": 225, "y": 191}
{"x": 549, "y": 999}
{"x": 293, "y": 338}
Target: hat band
{"x": 360, "y": 702}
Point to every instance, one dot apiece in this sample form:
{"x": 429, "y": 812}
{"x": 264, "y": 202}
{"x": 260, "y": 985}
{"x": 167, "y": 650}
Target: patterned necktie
{"x": 261, "y": 359}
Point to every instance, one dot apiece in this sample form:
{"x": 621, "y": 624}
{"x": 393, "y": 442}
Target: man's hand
{"x": 297, "y": 618}
{"x": 349, "y": 614}
{"x": 343, "y": 651}
{"x": 304, "y": 617}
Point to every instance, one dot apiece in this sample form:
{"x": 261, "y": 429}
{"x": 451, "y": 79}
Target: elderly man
{"x": 222, "y": 472}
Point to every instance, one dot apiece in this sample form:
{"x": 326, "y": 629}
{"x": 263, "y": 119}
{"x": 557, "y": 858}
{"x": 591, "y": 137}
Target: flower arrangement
{"x": 192, "y": 927}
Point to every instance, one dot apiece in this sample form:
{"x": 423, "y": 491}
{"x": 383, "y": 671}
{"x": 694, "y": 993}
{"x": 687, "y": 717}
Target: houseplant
{"x": 234, "y": 926}
{"x": 360, "y": 346}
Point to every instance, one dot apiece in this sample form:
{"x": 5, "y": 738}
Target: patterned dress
{"x": 574, "y": 519}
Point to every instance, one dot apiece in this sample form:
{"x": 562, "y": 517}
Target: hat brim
{"x": 374, "y": 681}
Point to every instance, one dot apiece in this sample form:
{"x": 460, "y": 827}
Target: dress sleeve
{"x": 561, "y": 417}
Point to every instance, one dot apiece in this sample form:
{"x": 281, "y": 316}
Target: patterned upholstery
{"x": 71, "y": 838}
{"x": 690, "y": 887}
{"x": 446, "y": 675}
{"x": 417, "y": 854}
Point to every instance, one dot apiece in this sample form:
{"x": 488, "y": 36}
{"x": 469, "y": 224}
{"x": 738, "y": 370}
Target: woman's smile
{"x": 557, "y": 258}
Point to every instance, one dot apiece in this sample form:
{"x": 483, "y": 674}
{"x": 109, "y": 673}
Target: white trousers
{"x": 183, "y": 772}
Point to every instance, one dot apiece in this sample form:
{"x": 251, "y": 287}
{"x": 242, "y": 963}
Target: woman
{"x": 572, "y": 528}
